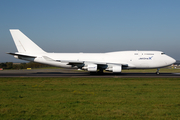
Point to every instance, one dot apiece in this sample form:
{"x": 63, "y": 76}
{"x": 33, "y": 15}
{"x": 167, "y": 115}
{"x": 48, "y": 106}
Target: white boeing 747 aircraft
{"x": 92, "y": 62}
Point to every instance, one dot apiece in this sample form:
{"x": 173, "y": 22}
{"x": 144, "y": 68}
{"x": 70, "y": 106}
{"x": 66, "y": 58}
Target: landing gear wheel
{"x": 100, "y": 71}
{"x": 157, "y": 73}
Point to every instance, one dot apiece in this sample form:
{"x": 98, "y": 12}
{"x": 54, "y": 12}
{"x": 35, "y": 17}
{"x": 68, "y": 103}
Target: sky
{"x": 92, "y": 26}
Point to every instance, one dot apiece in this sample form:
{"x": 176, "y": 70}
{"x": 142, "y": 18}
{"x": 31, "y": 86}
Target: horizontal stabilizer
{"x": 22, "y": 55}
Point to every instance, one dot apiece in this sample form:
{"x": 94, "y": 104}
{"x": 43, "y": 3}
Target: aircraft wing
{"x": 100, "y": 64}
{"x": 93, "y": 66}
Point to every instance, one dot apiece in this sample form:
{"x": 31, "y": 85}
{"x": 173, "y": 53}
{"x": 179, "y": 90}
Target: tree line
{"x": 10, "y": 65}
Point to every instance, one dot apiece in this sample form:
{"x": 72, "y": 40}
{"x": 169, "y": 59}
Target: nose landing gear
{"x": 157, "y": 72}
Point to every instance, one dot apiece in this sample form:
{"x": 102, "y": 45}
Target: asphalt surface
{"x": 75, "y": 73}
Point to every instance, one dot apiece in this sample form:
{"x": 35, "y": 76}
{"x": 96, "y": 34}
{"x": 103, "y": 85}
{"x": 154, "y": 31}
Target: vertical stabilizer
{"x": 23, "y": 43}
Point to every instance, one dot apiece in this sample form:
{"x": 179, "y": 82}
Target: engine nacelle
{"x": 91, "y": 67}
{"x": 117, "y": 69}
{"x": 114, "y": 68}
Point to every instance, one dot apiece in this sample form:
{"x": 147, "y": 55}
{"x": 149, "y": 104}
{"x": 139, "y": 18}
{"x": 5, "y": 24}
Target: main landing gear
{"x": 157, "y": 72}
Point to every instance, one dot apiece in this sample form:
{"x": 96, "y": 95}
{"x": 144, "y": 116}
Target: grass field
{"x": 89, "y": 98}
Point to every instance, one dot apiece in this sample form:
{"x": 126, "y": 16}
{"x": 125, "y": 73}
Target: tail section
{"x": 23, "y": 43}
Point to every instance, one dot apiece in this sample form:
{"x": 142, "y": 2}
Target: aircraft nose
{"x": 171, "y": 61}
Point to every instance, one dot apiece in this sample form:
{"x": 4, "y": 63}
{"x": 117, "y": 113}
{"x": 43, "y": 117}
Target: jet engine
{"x": 90, "y": 67}
{"x": 114, "y": 68}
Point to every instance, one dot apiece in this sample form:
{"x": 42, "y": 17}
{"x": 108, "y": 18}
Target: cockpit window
{"x": 162, "y": 53}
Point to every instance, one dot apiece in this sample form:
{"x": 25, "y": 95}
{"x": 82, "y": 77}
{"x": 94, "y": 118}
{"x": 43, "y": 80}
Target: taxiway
{"x": 75, "y": 73}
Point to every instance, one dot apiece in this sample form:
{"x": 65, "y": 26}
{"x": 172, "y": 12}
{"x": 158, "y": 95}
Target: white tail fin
{"x": 23, "y": 43}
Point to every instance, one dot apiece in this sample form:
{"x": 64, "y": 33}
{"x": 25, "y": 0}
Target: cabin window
{"x": 148, "y": 53}
{"x": 162, "y": 53}
{"x": 135, "y": 53}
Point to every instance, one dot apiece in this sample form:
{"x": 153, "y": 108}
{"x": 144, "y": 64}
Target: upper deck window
{"x": 148, "y": 53}
{"x": 135, "y": 53}
{"x": 162, "y": 53}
